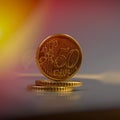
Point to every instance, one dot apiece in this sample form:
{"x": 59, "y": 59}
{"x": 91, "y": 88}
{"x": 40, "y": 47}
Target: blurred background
{"x": 25, "y": 23}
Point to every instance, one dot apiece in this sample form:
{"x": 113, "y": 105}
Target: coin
{"x": 59, "y": 57}
{"x": 58, "y": 83}
{"x": 49, "y": 88}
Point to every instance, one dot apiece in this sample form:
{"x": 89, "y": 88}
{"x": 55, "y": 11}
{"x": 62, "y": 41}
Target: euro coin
{"x": 58, "y": 83}
{"x": 59, "y": 57}
{"x": 49, "y": 88}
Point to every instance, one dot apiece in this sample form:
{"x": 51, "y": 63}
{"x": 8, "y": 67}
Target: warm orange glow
{"x": 20, "y": 19}
{"x": 0, "y": 34}
{"x": 13, "y": 13}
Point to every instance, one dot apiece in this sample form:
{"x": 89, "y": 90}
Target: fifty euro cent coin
{"x": 58, "y": 83}
{"x": 59, "y": 57}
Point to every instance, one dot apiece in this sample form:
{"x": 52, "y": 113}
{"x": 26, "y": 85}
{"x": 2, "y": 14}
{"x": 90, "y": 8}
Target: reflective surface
{"x": 17, "y": 101}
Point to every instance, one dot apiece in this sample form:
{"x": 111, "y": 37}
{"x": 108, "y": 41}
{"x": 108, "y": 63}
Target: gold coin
{"x": 49, "y": 88}
{"x": 58, "y": 83}
{"x": 59, "y": 57}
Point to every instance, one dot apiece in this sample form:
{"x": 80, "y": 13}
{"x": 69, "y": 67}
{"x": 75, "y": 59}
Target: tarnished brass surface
{"x": 58, "y": 83}
{"x": 59, "y": 57}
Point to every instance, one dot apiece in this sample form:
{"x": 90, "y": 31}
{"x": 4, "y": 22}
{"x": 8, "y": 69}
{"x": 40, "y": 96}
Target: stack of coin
{"x": 58, "y": 57}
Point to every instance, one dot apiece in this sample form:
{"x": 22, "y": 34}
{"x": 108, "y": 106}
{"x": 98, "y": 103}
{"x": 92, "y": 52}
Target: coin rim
{"x": 58, "y": 83}
{"x": 37, "y": 54}
{"x": 50, "y": 88}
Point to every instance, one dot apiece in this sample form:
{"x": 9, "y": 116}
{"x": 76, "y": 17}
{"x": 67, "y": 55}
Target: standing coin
{"x": 59, "y": 57}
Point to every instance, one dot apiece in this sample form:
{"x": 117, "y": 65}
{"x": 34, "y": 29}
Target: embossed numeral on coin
{"x": 60, "y": 61}
{"x": 73, "y": 58}
{"x": 70, "y": 62}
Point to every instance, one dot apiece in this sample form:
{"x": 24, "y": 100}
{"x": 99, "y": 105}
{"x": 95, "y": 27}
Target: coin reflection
{"x": 63, "y": 95}
{"x": 56, "y": 95}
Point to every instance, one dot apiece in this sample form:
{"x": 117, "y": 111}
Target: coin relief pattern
{"x": 59, "y": 57}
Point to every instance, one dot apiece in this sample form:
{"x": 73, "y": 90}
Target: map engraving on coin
{"x": 59, "y": 57}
